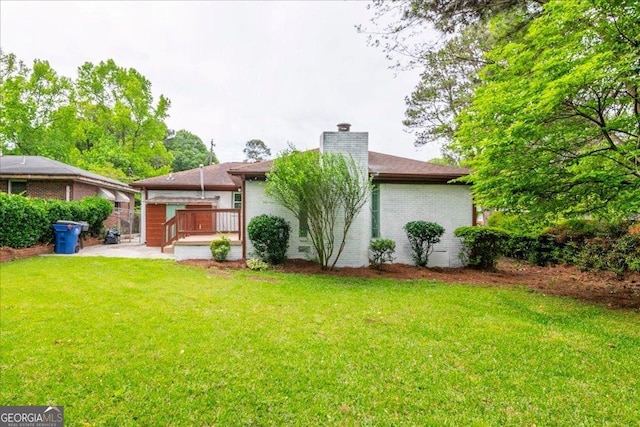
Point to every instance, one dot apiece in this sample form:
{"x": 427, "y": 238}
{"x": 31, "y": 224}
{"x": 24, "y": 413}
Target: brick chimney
{"x": 356, "y": 145}
{"x": 344, "y": 141}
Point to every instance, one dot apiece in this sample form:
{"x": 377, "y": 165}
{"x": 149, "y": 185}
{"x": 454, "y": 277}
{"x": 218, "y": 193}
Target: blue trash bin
{"x": 67, "y": 233}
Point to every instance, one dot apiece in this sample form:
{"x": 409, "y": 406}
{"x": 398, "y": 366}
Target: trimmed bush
{"x": 423, "y": 236}
{"x": 382, "y": 251}
{"x": 21, "y": 221}
{"x": 269, "y": 235}
{"x": 25, "y": 221}
{"x": 481, "y": 246}
{"x": 220, "y": 248}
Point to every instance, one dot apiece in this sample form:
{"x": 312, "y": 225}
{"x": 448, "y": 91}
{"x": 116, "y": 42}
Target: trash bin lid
{"x": 68, "y": 222}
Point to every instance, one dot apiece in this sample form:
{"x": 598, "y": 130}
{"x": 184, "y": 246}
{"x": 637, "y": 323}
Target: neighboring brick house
{"x": 209, "y": 187}
{"x": 36, "y": 176}
{"x": 403, "y": 190}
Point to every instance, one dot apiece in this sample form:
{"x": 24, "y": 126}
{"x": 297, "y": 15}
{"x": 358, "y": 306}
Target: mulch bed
{"x": 600, "y": 288}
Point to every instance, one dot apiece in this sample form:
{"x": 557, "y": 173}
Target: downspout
{"x": 244, "y": 219}
{"x": 202, "y": 181}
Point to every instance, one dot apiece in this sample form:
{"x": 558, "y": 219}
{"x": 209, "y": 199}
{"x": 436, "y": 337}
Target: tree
{"x": 256, "y": 151}
{"x": 119, "y": 125}
{"x": 325, "y": 191}
{"x": 34, "y": 113}
{"x": 188, "y": 151}
{"x": 555, "y": 125}
{"x": 450, "y": 63}
{"x": 105, "y": 120}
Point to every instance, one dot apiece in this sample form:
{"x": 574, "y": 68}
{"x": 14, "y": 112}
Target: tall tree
{"x": 119, "y": 124}
{"x": 450, "y": 55}
{"x": 555, "y": 125}
{"x": 35, "y": 115}
{"x": 324, "y": 191}
{"x": 188, "y": 151}
{"x": 256, "y": 151}
{"x": 105, "y": 120}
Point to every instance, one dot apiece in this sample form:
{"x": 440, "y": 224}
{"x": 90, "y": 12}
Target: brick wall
{"x": 10, "y": 254}
{"x": 356, "y": 145}
{"x": 81, "y": 190}
{"x": 48, "y": 189}
{"x": 446, "y": 204}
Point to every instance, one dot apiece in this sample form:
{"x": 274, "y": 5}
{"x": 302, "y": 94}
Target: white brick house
{"x": 403, "y": 190}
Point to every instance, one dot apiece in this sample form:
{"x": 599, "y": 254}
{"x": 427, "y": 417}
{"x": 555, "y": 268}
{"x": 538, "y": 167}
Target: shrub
{"x": 423, "y": 236}
{"x": 26, "y": 221}
{"x": 256, "y": 264}
{"x": 94, "y": 210}
{"x": 220, "y": 248}
{"x": 481, "y": 246}
{"x": 382, "y": 251}
{"x": 269, "y": 235}
{"x": 545, "y": 251}
{"x": 629, "y": 245}
{"x": 21, "y": 221}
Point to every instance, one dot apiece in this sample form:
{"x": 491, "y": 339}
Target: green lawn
{"x": 149, "y": 342}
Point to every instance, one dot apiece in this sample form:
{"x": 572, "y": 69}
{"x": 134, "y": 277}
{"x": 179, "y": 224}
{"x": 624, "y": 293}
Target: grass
{"x": 149, "y": 342}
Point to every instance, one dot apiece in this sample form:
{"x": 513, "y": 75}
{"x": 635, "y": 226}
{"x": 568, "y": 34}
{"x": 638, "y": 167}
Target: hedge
{"x": 26, "y": 221}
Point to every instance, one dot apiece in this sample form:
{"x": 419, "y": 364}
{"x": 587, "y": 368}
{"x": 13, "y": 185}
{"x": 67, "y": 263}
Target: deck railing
{"x": 190, "y": 222}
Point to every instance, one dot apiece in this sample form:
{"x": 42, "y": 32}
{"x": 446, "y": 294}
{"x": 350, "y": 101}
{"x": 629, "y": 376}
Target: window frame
{"x": 10, "y": 184}
{"x": 375, "y": 211}
{"x": 234, "y": 201}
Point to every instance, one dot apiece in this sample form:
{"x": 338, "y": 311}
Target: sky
{"x": 282, "y": 72}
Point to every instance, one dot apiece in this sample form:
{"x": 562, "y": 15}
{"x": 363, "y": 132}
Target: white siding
{"x": 224, "y": 202}
{"x": 446, "y": 204}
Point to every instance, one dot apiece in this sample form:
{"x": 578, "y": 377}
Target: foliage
{"x": 269, "y": 235}
{"x": 481, "y": 246}
{"x": 21, "y": 221}
{"x": 382, "y": 251}
{"x": 188, "y": 151}
{"x": 248, "y": 341}
{"x": 256, "y": 150}
{"x": 105, "y": 120}
{"x": 256, "y": 264}
{"x": 423, "y": 236}
{"x": 517, "y": 223}
{"x": 449, "y": 64}
{"x": 538, "y": 98}
{"x": 220, "y": 248}
{"x": 26, "y": 221}
{"x": 620, "y": 256}
{"x": 554, "y": 125}
{"x": 325, "y": 190}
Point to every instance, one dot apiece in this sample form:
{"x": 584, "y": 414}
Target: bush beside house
{"x": 24, "y": 222}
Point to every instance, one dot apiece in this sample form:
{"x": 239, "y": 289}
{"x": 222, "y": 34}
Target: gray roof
{"x": 38, "y": 166}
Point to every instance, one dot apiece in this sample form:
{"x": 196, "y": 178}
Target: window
{"x": 303, "y": 226}
{"x": 236, "y": 200}
{"x": 17, "y": 187}
{"x": 375, "y": 210}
